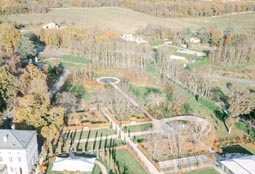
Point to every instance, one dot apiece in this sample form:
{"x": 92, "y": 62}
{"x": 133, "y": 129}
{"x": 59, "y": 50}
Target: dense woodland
{"x": 166, "y": 8}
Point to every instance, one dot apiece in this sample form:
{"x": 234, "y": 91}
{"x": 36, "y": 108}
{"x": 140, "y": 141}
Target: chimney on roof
{"x": 5, "y": 138}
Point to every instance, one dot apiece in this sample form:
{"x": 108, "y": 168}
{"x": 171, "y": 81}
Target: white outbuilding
{"x": 241, "y": 165}
{"x": 74, "y": 164}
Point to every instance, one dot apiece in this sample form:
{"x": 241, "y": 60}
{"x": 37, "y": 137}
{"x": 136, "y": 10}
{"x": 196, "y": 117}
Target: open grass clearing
{"x": 112, "y": 18}
{"x": 138, "y": 128}
{"x": 72, "y": 66}
{"x": 143, "y": 91}
{"x": 89, "y": 134}
{"x": 75, "y": 59}
{"x": 204, "y": 171}
{"x": 125, "y": 158}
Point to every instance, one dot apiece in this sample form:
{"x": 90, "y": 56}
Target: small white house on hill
{"x": 50, "y": 25}
{"x": 131, "y": 38}
{"x": 195, "y": 40}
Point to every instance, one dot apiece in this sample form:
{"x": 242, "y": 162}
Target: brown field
{"x": 126, "y": 20}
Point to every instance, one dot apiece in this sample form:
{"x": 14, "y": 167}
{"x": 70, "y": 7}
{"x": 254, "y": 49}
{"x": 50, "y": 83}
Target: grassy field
{"x": 204, "y": 171}
{"x": 74, "y": 59}
{"x": 123, "y": 156}
{"x": 126, "y": 20}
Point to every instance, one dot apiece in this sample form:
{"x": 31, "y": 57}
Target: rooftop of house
{"x": 15, "y": 139}
{"x": 241, "y": 165}
{"x": 195, "y": 38}
{"x": 47, "y": 23}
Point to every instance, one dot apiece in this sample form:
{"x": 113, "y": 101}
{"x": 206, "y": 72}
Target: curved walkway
{"x": 205, "y": 125}
{"x": 101, "y": 166}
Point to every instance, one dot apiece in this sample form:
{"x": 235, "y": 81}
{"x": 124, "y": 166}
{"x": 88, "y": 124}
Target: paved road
{"x": 230, "y": 79}
{"x": 60, "y": 82}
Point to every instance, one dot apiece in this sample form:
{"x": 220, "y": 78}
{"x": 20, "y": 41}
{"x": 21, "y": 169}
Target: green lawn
{"x": 143, "y": 91}
{"x": 204, "y": 171}
{"x": 138, "y": 128}
{"x": 96, "y": 170}
{"x": 125, "y": 158}
{"x": 67, "y": 64}
{"x": 90, "y": 134}
{"x": 75, "y": 59}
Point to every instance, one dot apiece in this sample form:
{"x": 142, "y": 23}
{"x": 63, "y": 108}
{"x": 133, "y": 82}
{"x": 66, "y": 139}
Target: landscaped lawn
{"x": 126, "y": 158}
{"x": 138, "y": 128}
{"x": 90, "y": 134}
{"x": 204, "y": 171}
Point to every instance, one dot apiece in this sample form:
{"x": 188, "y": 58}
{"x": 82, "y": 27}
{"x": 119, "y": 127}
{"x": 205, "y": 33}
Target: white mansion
{"x": 18, "y": 151}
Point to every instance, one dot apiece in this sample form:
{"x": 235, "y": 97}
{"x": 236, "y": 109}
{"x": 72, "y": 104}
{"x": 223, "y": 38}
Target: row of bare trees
{"x": 173, "y": 143}
{"x": 166, "y": 8}
{"x": 103, "y": 48}
{"x": 185, "y": 77}
{"x": 172, "y": 8}
{"x": 240, "y": 51}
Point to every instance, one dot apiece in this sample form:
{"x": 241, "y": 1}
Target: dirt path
{"x": 101, "y": 166}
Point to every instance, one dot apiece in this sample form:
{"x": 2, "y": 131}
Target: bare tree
{"x": 68, "y": 101}
{"x": 155, "y": 98}
{"x": 154, "y": 141}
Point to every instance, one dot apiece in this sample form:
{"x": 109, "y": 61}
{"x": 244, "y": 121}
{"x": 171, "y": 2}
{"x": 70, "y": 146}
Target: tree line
{"x": 165, "y": 8}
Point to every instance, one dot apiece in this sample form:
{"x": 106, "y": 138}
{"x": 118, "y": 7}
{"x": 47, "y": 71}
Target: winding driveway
{"x": 60, "y": 82}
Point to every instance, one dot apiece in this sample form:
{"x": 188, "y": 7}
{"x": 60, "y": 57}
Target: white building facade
{"x": 18, "y": 150}
{"x": 50, "y": 25}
